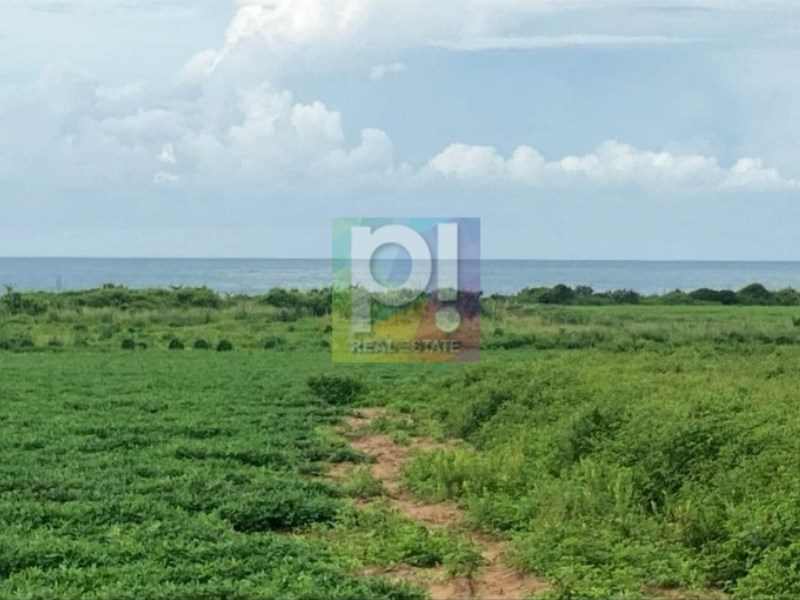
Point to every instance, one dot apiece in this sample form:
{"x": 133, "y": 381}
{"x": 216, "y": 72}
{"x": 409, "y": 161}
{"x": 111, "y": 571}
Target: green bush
{"x": 625, "y": 297}
{"x": 201, "y": 344}
{"x": 559, "y": 294}
{"x": 175, "y": 344}
{"x": 274, "y": 341}
{"x": 282, "y": 505}
{"x": 128, "y": 344}
{"x": 25, "y": 343}
{"x": 335, "y": 389}
{"x": 224, "y": 346}
{"x": 16, "y": 303}
{"x": 755, "y": 293}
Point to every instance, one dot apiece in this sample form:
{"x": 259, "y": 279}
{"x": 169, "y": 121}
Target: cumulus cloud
{"x": 167, "y": 155}
{"x": 374, "y": 153}
{"x": 216, "y": 124}
{"x": 277, "y": 132}
{"x": 87, "y": 136}
{"x": 611, "y": 163}
{"x": 299, "y": 33}
{"x": 285, "y": 30}
{"x": 380, "y": 71}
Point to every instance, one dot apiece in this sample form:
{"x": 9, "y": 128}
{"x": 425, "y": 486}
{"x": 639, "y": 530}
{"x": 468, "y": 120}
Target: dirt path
{"x": 493, "y": 580}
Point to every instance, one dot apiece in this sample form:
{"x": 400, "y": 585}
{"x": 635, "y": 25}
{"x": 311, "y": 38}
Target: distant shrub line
{"x": 292, "y": 304}
{"x": 316, "y": 302}
{"x": 752, "y": 294}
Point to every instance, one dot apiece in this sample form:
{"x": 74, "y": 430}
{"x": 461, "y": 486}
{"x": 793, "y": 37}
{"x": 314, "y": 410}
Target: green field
{"x": 623, "y": 449}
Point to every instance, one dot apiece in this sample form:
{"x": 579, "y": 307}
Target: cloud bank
{"x": 231, "y": 138}
{"x": 611, "y": 163}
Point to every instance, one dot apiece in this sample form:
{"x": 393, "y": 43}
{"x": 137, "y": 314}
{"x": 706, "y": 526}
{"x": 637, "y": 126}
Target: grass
{"x": 621, "y": 448}
{"x": 379, "y": 536}
{"x": 156, "y": 474}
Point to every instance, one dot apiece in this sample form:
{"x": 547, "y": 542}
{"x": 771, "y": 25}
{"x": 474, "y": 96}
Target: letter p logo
{"x": 406, "y": 282}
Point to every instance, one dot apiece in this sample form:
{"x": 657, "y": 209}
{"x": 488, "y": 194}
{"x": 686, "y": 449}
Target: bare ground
{"x": 495, "y": 579}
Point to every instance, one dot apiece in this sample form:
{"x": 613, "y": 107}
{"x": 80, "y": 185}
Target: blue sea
{"x": 253, "y": 276}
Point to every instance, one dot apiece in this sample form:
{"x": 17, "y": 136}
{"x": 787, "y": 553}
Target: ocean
{"x": 253, "y": 276}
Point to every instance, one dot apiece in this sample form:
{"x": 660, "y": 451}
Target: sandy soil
{"x": 494, "y": 580}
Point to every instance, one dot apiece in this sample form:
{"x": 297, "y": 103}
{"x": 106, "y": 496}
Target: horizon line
{"x": 482, "y": 259}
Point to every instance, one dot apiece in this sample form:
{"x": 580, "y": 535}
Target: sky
{"x": 574, "y": 129}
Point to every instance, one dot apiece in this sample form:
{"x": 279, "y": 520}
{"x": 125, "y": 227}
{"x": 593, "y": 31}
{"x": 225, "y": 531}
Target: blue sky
{"x": 574, "y": 129}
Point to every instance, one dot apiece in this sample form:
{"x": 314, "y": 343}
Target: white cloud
{"x": 275, "y": 132}
{"x": 167, "y": 155}
{"x": 165, "y": 178}
{"x": 611, "y": 163}
{"x": 298, "y": 34}
{"x": 750, "y": 173}
{"x": 229, "y": 127}
{"x": 316, "y": 121}
{"x": 375, "y": 152}
{"x": 86, "y": 136}
{"x": 462, "y": 160}
{"x": 380, "y": 71}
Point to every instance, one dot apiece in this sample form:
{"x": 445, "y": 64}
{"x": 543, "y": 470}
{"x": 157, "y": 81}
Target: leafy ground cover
{"x": 177, "y": 444}
{"x": 167, "y": 475}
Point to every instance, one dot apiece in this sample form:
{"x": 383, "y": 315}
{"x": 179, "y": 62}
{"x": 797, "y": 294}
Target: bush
{"x": 274, "y": 341}
{"x": 335, "y": 389}
{"x": 755, "y": 293}
{"x": 201, "y": 344}
{"x": 787, "y": 297}
{"x": 175, "y": 344}
{"x": 128, "y": 344}
{"x": 674, "y": 297}
{"x": 224, "y": 346}
{"x": 281, "y": 505}
{"x": 316, "y": 302}
{"x": 17, "y": 303}
{"x": 708, "y": 295}
{"x": 625, "y": 297}
{"x": 559, "y": 294}
{"x": 25, "y": 343}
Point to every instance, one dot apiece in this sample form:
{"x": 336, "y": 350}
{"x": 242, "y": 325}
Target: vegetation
{"x": 623, "y": 446}
{"x": 754, "y": 293}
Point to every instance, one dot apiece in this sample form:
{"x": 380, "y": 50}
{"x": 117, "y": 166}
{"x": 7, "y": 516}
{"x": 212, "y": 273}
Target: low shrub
{"x": 336, "y": 389}
{"x": 280, "y": 506}
{"x": 274, "y": 341}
